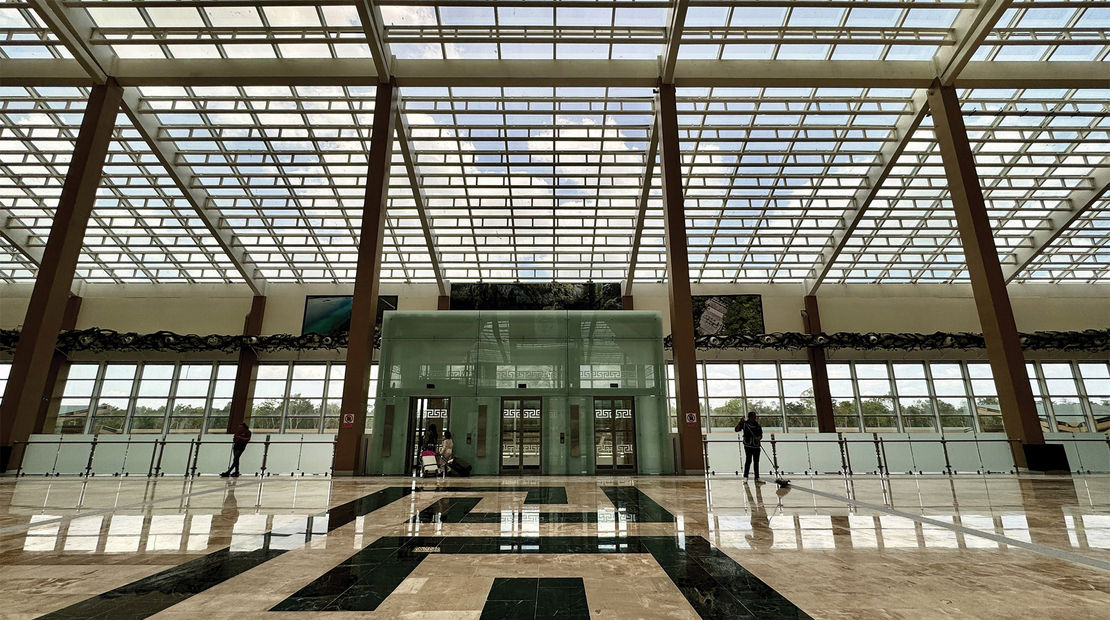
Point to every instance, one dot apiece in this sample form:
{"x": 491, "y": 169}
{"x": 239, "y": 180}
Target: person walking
{"x": 238, "y": 445}
{"x": 752, "y": 435}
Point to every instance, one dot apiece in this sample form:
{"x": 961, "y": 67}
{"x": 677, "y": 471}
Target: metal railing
{"x": 173, "y": 455}
{"x": 823, "y": 453}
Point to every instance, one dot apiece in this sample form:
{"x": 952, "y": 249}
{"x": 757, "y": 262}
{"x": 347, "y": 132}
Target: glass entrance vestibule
{"x": 524, "y": 392}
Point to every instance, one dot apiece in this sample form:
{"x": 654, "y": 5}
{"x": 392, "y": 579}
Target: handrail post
{"x": 160, "y": 450}
{"x": 775, "y": 456}
{"x": 944, "y": 445}
{"x": 843, "y": 453}
{"x": 19, "y": 470}
{"x": 195, "y": 454}
{"x": 92, "y": 451}
{"x": 739, "y": 456}
{"x": 879, "y": 453}
{"x": 265, "y": 454}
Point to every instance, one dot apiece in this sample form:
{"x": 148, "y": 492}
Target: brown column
{"x": 247, "y": 370}
{"x": 626, "y": 303}
{"x": 356, "y": 383}
{"x": 678, "y": 282}
{"x": 45, "y": 313}
{"x": 822, "y": 397}
{"x": 443, "y": 303}
{"x": 59, "y": 368}
{"x": 996, "y": 317}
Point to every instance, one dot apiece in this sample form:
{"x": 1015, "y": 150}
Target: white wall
{"x": 206, "y": 309}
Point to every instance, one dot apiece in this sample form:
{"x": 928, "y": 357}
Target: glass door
{"x": 423, "y": 413}
{"x": 521, "y": 425}
{"x": 614, "y": 435}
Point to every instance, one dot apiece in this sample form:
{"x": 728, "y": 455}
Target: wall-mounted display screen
{"x": 537, "y": 296}
{"x": 331, "y": 314}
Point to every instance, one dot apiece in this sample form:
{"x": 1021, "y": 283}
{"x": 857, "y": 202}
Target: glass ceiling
{"x": 1033, "y": 148}
{"x": 543, "y": 183}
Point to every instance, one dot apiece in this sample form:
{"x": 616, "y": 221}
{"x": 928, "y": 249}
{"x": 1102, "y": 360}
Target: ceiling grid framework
{"x": 525, "y": 146}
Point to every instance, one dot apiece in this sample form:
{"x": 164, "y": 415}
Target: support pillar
{"x": 247, "y": 370}
{"x": 818, "y": 370}
{"x": 349, "y": 458}
{"x": 45, "y": 313}
{"x": 443, "y": 303}
{"x": 678, "y": 283}
{"x": 996, "y": 317}
{"x": 626, "y": 303}
{"x": 59, "y": 369}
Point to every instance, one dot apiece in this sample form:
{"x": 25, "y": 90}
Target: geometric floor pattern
{"x": 571, "y": 547}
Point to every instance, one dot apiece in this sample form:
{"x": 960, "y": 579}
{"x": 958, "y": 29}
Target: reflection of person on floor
{"x": 238, "y": 445}
{"x": 752, "y": 434}
{"x": 762, "y": 536}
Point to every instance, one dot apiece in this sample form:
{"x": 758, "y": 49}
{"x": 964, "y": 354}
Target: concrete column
{"x": 822, "y": 396}
{"x": 627, "y": 303}
{"x": 349, "y": 458}
{"x": 59, "y": 370}
{"x": 46, "y": 311}
{"x": 247, "y": 370}
{"x": 443, "y": 303}
{"x": 996, "y": 317}
{"x": 678, "y": 282}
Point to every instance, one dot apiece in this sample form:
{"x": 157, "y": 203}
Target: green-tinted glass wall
{"x": 564, "y": 358}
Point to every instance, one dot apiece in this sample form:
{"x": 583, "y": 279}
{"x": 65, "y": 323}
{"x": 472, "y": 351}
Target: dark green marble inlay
{"x": 528, "y": 598}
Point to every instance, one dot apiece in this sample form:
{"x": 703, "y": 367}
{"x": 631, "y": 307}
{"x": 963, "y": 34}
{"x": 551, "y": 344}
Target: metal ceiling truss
{"x": 969, "y": 28}
{"x": 1078, "y": 203}
{"x": 524, "y": 131}
{"x": 74, "y": 28}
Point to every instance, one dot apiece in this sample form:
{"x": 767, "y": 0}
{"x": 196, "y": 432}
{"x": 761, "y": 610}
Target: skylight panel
{"x": 227, "y": 30}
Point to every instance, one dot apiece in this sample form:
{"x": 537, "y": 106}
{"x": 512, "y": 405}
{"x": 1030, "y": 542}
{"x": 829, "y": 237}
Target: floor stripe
{"x": 1059, "y": 554}
{"x": 714, "y": 584}
{"x": 20, "y": 528}
{"x": 164, "y": 589}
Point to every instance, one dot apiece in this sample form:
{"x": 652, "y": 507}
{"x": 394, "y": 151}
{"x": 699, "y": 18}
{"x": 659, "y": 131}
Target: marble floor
{"x": 538, "y": 547}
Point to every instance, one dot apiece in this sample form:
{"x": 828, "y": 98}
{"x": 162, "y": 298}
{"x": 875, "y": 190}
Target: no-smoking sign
{"x": 691, "y": 418}
{"x": 348, "y": 420}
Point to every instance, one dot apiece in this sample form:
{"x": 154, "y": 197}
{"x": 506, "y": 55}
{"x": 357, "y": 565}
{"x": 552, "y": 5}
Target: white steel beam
{"x": 1079, "y": 202}
{"x": 887, "y": 157}
{"x": 674, "y": 39}
{"x": 616, "y": 73}
{"x": 149, "y": 128}
{"x": 74, "y": 28}
{"x": 641, "y": 210}
{"x": 971, "y": 27}
{"x": 371, "y": 17}
{"x": 418, "y": 197}
{"x": 19, "y": 238}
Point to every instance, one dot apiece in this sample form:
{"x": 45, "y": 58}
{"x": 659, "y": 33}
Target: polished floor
{"x": 539, "y": 547}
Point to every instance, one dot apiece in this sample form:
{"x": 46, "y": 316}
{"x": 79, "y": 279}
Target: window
{"x": 150, "y": 397}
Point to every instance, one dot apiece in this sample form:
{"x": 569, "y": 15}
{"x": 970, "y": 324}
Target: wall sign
{"x": 348, "y": 421}
{"x": 691, "y": 418}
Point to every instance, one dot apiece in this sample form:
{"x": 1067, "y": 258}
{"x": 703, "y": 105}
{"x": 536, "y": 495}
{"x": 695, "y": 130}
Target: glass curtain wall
{"x": 898, "y": 396}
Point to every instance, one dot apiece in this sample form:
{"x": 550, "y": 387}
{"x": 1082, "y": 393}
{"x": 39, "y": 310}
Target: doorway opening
{"x": 423, "y": 412}
{"x": 521, "y": 426}
{"x": 614, "y": 435}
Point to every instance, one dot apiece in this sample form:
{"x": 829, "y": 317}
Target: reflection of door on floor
{"x": 520, "y": 435}
{"x": 614, "y": 435}
{"x": 422, "y": 412}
